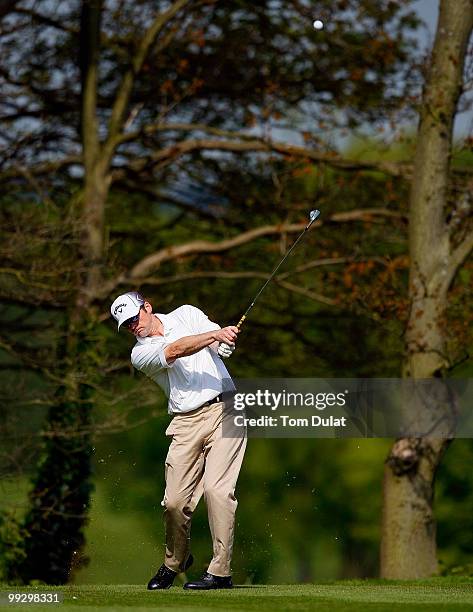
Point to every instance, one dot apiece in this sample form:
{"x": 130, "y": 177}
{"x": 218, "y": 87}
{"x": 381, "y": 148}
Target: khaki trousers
{"x": 201, "y": 461}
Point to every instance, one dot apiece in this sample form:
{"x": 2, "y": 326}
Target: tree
{"x": 439, "y": 243}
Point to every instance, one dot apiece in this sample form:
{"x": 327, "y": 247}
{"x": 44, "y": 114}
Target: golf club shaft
{"x": 240, "y": 322}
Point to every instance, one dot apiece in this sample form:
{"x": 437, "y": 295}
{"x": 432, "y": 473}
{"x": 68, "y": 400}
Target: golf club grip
{"x": 240, "y": 322}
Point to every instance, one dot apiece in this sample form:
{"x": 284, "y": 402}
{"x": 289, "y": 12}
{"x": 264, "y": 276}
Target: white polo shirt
{"x": 189, "y": 381}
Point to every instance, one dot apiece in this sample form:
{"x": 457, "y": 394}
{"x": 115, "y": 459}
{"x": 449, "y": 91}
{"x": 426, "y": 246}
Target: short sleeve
{"x": 150, "y": 358}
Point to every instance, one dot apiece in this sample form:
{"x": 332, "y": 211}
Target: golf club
{"x": 314, "y": 214}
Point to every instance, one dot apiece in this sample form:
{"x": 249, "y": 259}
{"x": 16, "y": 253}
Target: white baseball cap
{"x": 126, "y": 306}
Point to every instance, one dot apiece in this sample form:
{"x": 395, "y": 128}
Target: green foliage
{"x": 454, "y": 498}
{"x": 59, "y": 500}
{"x": 11, "y": 541}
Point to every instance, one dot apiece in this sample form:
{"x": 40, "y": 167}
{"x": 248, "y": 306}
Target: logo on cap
{"x": 118, "y": 308}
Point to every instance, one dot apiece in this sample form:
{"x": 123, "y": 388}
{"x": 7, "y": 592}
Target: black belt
{"x": 219, "y": 398}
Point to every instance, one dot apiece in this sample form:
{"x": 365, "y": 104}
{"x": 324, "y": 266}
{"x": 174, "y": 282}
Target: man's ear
{"x": 148, "y": 308}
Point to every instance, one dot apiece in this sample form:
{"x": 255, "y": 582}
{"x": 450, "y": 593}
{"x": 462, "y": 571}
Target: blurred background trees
{"x": 177, "y": 147}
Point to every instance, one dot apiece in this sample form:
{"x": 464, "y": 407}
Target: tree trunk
{"x": 60, "y": 497}
{"x": 408, "y": 547}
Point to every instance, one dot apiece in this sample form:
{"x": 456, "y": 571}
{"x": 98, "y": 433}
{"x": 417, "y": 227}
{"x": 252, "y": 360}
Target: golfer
{"x": 182, "y": 352}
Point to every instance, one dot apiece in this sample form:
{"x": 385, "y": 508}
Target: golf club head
{"x": 314, "y": 214}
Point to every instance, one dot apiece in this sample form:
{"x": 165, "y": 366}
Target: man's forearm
{"x": 188, "y": 345}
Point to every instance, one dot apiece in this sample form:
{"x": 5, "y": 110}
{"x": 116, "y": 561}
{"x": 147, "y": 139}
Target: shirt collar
{"x": 167, "y": 321}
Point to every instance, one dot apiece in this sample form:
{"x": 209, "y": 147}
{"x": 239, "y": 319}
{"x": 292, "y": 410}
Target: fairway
{"x": 435, "y": 594}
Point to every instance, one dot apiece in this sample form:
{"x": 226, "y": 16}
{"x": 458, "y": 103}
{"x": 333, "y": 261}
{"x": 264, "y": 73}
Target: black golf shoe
{"x": 209, "y": 581}
{"x": 165, "y": 576}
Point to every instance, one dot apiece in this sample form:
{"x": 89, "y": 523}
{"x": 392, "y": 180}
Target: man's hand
{"x": 226, "y": 334}
{"x": 226, "y": 338}
{"x": 225, "y": 350}
{"x": 189, "y": 345}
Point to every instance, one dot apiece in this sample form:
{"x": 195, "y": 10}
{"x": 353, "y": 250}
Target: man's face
{"x": 142, "y": 326}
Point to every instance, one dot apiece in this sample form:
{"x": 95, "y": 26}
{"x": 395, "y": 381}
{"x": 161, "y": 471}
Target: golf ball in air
{"x": 318, "y": 25}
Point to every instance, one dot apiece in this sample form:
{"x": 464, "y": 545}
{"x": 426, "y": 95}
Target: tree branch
{"x": 316, "y": 297}
{"x": 123, "y": 95}
{"x": 89, "y": 65}
{"x": 248, "y": 143}
{"x": 7, "y": 6}
{"x": 25, "y": 358}
{"x": 459, "y": 255}
{"x": 239, "y": 275}
{"x": 150, "y": 263}
{"x": 45, "y": 20}
{"x": 41, "y": 168}
{"x": 152, "y": 128}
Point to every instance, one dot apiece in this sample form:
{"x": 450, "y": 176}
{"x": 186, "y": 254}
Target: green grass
{"x": 355, "y": 595}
